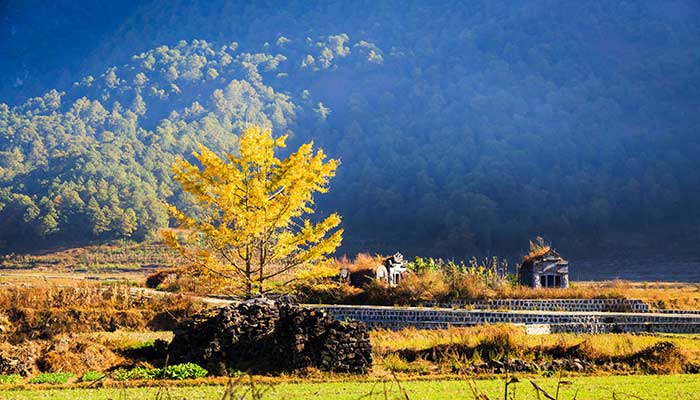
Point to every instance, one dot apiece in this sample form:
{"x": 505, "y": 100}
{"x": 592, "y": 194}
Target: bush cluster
{"x": 11, "y": 379}
{"x": 91, "y": 376}
{"x": 53, "y": 378}
{"x": 174, "y": 372}
{"x": 426, "y": 280}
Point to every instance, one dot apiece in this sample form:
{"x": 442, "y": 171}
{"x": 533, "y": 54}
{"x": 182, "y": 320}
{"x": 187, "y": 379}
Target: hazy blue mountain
{"x": 462, "y": 128}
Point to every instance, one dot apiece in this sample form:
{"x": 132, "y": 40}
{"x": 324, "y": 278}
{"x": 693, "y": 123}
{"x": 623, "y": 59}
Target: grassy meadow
{"x": 76, "y": 315}
{"x": 582, "y": 388}
{"x": 133, "y": 262}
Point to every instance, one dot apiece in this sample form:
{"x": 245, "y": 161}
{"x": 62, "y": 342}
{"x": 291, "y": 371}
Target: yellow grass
{"x": 385, "y": 342}
{"x": 120, "y": 339}
{"x": 117, "y": 256}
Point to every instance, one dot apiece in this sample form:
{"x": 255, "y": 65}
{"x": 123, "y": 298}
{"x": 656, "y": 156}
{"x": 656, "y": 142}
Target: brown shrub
{"x": 74, "y": 354}
{"x": 327, "y": 293}
{"x": 379, "y": 293}
{"x": 44, "y": 312}
{"x": 44, "y": 297}
{"x": 501, "y": 339}
{"x": 661, "y": 358}
{"x": 426, "y": 286}
{"x": 594, "y": 291}
{"x": 47, "y": 323}
{"x": 362, "y": 269}
{"x": 18, "y": 359}
{"x": 584, "y": 350}
{"x": 157, "y": 278}
{"x": 489, "y": 341}
{"x": 364, "y": 261}
{"x": 469, "y": 287}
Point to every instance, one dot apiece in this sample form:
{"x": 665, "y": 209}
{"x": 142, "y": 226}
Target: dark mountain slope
{"x": 461, "y": 127}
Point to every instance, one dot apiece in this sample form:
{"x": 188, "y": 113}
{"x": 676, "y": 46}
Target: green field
{"x": 609, "y": 387}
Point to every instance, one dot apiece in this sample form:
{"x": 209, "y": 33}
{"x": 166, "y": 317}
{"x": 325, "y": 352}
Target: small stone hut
{"x": 545, "y": 269}
{"x": 391, "y": 270}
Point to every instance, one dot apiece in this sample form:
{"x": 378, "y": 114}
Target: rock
{"x": 265, "y": 335}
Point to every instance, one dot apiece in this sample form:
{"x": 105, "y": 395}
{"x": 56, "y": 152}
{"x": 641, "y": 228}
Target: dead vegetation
{"x": 69, "y": 353}
{"x": 43, "y": 312}
{"x": 502, "y": 349}
{"x": 450, "y": 282}
{"x": 40, "y": 326}
{"x": 424, "y": 285}
{"x": 116, "y": 256}
{"x": 538, "y": 248}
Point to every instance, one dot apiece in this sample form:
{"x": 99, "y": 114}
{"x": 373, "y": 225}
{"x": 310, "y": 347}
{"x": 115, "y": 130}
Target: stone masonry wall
{"x": 559, "y": 321}
{"x": 603, "y": 305}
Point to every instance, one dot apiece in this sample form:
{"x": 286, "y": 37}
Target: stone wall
{"x": 603, "y": 305}
{"x": 657, "y": 327}
{"x": 559, "y": 321}
{"x": 695, "y": 312}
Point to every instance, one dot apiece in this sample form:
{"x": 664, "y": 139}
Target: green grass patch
{"x": 128, "y": 340}
{"x": 183, "y": 371}
{"x": 92, "y": 376}
{"x": 677, "y": 387}
{"x": 136, "y": 373}
{"x": 176, "y": 372}
{"x": 12, "y": 379}
{"x": 141, "y": 345}
{"x": 53, "y": 378}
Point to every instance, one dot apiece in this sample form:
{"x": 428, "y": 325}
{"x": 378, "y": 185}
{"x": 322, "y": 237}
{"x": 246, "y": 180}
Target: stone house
{"x": 547, "y": 269}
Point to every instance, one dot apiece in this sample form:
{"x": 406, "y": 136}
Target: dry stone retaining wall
{"x": 570, "y": 321}
{"x": 602, "y": 305}
{"x": 658, "y": 327}
{"x": 678, "y": 312}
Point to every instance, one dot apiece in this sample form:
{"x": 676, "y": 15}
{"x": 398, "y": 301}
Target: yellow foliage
{"x": 253, "y": 228}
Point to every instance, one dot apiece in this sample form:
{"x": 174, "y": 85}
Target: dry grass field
{"x": 133, "y": 262}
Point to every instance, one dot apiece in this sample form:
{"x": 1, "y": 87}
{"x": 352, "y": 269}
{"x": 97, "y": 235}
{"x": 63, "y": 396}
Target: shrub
{"x": 394, "y": 363}
{"x": 327, "y": 293}
{"x": 364, "y": 261}
{"x": 178, "y": 371}
{"x": 53, "y": 378}
{"x": 426, "y": 286}
{"x": 420, "y": 265}
{"x": 92, "y": 376}
{"x": 380, "y": 293}
{"x": 363, "y": 268}
{"x": 76, "y": 354}
{"x": 183, "y": 371}
{"x": 468, "y": 286}
{"x": 501, "y": 339}
{"x": 12, "y": 379}
{"x": 136, "y": 373}
{"x": 157, "y": 278}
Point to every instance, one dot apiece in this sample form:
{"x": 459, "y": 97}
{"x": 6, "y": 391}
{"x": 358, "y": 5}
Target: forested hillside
{"x": 461, "y": 128}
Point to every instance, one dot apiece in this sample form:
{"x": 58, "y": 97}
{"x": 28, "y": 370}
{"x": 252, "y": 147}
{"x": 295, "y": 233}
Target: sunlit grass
{"x": 585, "y": 388}
{"x": 120, "y": 340}
{"x": 608, "y": 344}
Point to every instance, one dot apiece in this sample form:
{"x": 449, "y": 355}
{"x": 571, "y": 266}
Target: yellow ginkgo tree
{"x": 252, "y": 228}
